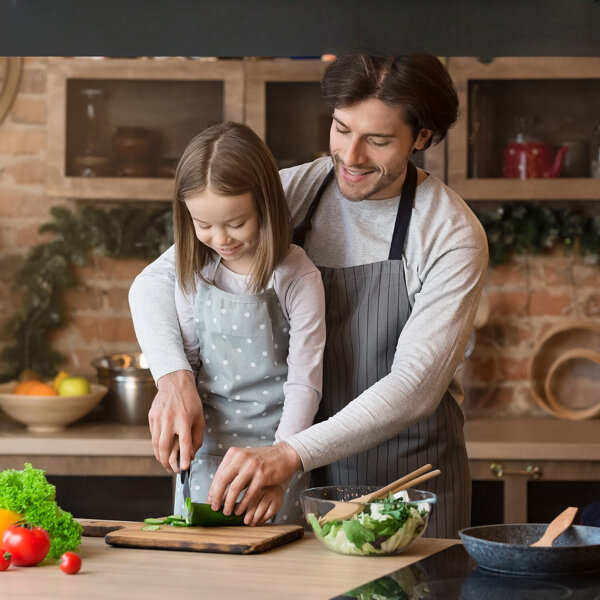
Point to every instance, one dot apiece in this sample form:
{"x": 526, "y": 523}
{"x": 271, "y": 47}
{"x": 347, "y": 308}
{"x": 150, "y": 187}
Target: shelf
{"x": 174, "y": 98}
{"x": 557, "y": 97}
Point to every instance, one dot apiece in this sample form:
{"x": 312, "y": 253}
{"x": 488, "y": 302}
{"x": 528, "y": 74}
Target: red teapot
{"x": 530, "y": 159}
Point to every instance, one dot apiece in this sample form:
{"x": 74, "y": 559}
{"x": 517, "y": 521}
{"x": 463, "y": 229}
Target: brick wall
{"x": 99, "y": 318}
{"x": 526, "y": 297}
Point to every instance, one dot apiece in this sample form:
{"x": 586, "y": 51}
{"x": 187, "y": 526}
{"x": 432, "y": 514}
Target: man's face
{"x": 371, "y": 145}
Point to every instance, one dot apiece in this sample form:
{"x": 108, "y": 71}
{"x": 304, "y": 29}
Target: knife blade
{"x": 185, "y": 482}
{"x": 184, "y": 478}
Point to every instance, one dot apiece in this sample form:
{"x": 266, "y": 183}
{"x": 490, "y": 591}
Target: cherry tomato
{"x": 4, "y": 560}
{"x": 70, "y": 563}
{"x": 28, "y": 546}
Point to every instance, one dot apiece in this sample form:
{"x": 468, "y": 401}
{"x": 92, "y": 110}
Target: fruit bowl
{"x": 44, "y": 414}
{"x": 379, "y": 528}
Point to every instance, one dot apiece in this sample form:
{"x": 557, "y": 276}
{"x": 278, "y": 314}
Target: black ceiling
{"x": 299, "y": 27}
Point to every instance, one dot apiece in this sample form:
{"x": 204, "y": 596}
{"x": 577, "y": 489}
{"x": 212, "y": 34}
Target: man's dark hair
{"x": 419, "y": 83}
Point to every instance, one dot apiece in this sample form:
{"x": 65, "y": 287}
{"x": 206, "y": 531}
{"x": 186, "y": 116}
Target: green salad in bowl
{"x": 382, "y": 527}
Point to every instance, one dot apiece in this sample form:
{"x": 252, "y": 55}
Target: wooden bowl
{"x": 557, "y": 342}
{"x": 555, "y": 376}
{"x": 43, "y": 414}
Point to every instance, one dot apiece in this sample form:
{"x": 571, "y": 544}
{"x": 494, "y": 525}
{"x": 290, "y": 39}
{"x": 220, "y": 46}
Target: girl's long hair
{"x": 230, "y": 159}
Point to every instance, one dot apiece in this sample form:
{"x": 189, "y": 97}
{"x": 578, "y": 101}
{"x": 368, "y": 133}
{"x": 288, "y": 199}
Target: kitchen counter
{"x": 303, "y": 569}
{"x": 514, "y": 450}
{"x": 544, "y": 438}
{"x": 100, "y": 445}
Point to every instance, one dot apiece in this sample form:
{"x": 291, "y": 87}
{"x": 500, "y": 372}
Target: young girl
{"x": 250, "y": 305}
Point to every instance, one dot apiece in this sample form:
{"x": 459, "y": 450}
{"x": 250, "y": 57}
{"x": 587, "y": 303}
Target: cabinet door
{"x": 552, "y": 102}
{"x": 172, "y": 98}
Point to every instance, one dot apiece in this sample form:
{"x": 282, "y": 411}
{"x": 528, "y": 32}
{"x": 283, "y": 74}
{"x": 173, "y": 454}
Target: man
{"x": 402, "y": 260}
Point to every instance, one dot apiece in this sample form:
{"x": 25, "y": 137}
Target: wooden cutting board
{"x": 228, "y": 540}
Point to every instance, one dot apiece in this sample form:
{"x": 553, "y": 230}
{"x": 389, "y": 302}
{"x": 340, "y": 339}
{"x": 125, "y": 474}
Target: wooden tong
{"x": 345, "y": 510}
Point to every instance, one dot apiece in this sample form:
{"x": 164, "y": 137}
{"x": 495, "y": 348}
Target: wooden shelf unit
{"x": 172, "y": 96}
{"x": 563, "y": 93}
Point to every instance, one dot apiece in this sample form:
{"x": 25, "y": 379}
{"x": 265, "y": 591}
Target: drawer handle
{"x": 532, "y": 471}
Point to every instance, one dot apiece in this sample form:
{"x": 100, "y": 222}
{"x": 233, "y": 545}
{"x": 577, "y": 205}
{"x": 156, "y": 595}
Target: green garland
{"x": 47, "y": 270}
{"x": 527, "y": 227}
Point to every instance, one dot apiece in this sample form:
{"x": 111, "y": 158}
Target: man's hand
{"x": 270, "y": 500}
{"x": 252, "y": 468}
{"x": 176, "y": 420}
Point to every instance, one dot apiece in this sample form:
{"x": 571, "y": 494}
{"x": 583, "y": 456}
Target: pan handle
{"x": 532, "y": 471}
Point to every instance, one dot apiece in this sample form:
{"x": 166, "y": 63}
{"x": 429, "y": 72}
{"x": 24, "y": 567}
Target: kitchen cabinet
{"x": 549, "y": 99}
{"x": 89, "y": 99}
{"x": 526, "y": 452}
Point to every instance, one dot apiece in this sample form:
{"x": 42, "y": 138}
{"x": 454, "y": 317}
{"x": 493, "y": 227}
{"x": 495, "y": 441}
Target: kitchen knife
{"x": 184, "y": 477}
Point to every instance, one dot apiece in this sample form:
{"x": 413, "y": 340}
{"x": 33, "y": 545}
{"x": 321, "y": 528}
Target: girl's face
{"x": 228, "y": 225}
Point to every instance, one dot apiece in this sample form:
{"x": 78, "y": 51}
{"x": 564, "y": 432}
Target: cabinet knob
{"x": 531, "y": 471}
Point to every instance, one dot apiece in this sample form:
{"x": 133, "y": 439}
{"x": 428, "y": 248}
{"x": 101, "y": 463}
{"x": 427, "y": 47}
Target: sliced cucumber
{"x": 202, "y": 515}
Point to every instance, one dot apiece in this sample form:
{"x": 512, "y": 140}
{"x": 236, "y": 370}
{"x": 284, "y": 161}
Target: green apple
{"x": 74, "y": 386}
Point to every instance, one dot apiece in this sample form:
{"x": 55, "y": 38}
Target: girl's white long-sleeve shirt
{"x": 297, "y": 284}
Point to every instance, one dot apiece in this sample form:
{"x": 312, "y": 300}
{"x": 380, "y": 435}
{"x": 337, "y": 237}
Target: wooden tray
{"x": 228, "y": 540}
{"x": 568, "y": 384}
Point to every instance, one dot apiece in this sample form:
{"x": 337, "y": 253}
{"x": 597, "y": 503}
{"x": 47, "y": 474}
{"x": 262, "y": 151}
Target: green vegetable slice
{"x": 172, "y": 518}
{"x": 150, "y": 527}
{"x": 151, "y": 521}
{"x": 202, "y": 515}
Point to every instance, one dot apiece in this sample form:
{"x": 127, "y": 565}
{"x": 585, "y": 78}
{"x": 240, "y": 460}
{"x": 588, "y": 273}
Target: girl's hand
{"x": 269, "y": 501}
{"x": 176, "y": 420}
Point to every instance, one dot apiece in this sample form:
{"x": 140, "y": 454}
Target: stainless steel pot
{"x": 131, "y": 387}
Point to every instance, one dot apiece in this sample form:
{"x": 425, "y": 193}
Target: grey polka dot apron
{"x": 244, "y": 341}
{"x": 366, "y": 309}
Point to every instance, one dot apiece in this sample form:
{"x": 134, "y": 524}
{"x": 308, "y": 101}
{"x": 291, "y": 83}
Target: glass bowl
{"x": 382, "y": 527}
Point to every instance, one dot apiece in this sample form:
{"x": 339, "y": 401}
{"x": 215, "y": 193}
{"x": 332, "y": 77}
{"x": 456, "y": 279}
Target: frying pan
{"x": 507, "y": 549}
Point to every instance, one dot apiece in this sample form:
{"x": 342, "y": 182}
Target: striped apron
{"x": 366, "y": 309}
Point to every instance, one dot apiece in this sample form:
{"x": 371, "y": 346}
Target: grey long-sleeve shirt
{"x": 445, "y": 257}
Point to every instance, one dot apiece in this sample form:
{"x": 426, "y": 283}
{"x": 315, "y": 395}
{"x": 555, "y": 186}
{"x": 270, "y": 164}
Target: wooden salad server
{"x": 346, "y": 510}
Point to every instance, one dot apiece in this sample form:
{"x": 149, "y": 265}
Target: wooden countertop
{"x": 299, "y": 570}
{"x": 542, "y": 438}
{"x": 533, "y": 438}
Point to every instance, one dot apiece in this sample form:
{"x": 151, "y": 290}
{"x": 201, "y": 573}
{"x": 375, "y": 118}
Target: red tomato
{"x": 4, "y": 560}
{"x": 27, "y": 546}
{"x": 70, "y": 563}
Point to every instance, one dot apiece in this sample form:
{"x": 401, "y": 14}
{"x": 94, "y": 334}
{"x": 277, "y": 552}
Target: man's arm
{"x": 176, "y": 419}
{"x": 430, "y": 347}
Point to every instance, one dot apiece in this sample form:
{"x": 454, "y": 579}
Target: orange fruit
{"x": 23, "y": 387}
{"x": 41, "y": 389}
{"x": 35, "y": 388}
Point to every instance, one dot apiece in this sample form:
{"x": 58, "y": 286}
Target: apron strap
{"x": 402, "y": 216}
{"x": 303, "y": 228}
{"x": 407, "y": 199}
